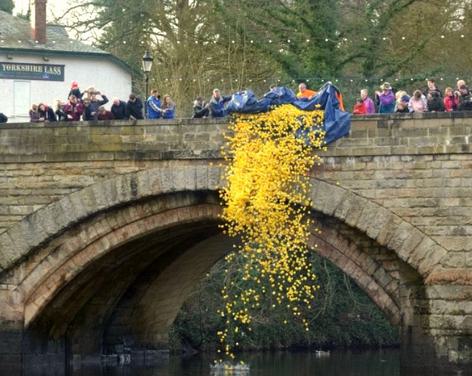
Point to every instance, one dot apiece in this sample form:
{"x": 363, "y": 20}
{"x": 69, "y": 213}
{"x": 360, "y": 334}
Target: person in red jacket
{"x": 73, "y": 109}
{"x": 359, "y": 107}
{"x": 451, "y": 101}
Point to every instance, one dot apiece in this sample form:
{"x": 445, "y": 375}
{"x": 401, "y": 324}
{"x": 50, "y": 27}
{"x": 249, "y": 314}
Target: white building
{"x": 38, "y": 63}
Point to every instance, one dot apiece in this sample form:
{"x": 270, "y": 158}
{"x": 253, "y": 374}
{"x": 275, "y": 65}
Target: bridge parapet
{"x": 203, "y": 138}
{"x": 41, "y": 163}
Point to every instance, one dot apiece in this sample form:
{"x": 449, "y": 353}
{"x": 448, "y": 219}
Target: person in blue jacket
{"x": 153, "y": 105}
{"x": 168, "y": 108}
{"x": 217, "y": 104}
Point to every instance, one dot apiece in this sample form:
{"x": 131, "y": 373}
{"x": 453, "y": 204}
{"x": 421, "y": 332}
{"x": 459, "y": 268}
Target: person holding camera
{"x": 463, "y": 96}
{"x": 451, "y": 100}
{"x": 97, "y": 100}
{"x": 168, "y": 107}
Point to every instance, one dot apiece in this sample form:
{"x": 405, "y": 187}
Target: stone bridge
{"x": 106, "y": 228}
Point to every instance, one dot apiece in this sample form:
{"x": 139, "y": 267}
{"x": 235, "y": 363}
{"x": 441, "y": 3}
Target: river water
{"x": 342, "y": 363}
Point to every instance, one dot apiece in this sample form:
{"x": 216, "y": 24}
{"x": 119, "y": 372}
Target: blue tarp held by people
{"x": 336, "y": 124}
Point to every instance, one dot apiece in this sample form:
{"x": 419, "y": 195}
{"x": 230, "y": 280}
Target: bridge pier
{"x": 435, "y": 332}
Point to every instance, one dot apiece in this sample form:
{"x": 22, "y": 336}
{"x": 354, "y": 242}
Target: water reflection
{"x": 378, "y": 363}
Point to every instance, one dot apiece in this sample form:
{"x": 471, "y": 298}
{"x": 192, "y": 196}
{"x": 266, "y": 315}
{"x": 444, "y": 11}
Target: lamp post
{"x": 147, "y": 66}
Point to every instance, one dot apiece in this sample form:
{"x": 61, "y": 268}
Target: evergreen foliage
{"x": 344, "y": 316}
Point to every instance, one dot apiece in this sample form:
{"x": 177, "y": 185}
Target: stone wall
{"x": 396, "y": 197}
{"x": 405, "y": 155}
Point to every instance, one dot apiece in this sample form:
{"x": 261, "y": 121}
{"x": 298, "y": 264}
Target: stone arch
{"x": 330, "y": 243}
{"x": 70, "y": 254}
{"x": 379, "y": 223}
{"x": 88, "y": 230}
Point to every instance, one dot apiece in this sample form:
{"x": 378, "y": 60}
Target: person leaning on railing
{"x": 216, "y": 105}
{"x": 168, "y": 107}
{"x": 3, "y": 118}
{"x": 134, "y": 108}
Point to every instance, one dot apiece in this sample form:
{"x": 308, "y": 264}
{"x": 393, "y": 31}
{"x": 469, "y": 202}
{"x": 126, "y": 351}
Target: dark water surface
{"x": 342, "y": 363}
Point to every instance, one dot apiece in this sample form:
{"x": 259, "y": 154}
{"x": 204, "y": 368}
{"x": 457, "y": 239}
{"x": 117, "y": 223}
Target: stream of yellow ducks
{"x": 266, "y": 203}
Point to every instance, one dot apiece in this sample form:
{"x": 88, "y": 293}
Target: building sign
{"x": 25, "y": 71}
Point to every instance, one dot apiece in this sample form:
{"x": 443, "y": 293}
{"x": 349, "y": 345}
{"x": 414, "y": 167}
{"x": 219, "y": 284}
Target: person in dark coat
{"x": 465, "y": 99}
{"x": 217, "y": 104}
{"x": 60, "y": 113}
{"x": 97, "y": 100}
{"x": 3, "y": 118}
{"x": 46, "y": 113}
{"x": 432, "y": 88}
{"x": 118, "y": 109}
{"x": 199, "y": 108}
{"x": 134, "y": 108}
{"x": 435, "y": 102}
{"x": 86, "y": 114}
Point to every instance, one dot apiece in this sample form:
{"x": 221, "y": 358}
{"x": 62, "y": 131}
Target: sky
{"x": 55, "y": 7}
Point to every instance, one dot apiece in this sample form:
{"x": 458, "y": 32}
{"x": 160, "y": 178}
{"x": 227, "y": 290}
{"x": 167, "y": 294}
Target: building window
{"x": 21, "y": 98}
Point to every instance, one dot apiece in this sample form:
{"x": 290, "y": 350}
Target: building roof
{"x": 15, "y": 35}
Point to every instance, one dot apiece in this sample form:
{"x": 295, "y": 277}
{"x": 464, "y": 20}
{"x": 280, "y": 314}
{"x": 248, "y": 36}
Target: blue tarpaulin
{"x": 336, "y": 124}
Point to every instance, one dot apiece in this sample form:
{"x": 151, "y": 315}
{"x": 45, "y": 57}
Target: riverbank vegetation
{"x": 343, "y": 317}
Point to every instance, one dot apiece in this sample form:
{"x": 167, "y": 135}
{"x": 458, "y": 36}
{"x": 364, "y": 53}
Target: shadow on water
{"x": 373, "y": 363}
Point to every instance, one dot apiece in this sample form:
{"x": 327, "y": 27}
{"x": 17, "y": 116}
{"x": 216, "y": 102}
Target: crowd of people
{"x": 432, "y": 99}
{"x": 89, "y": 105}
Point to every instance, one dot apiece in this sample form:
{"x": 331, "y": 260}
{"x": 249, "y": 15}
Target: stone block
{"x": 432, "y": 259}
{"x": 8, "y": 251}
{"x": 389, "y": 225}
{"x": 326, "y": 197}
{"x": 425, "y": 247}
{"x": 455, "y": 260}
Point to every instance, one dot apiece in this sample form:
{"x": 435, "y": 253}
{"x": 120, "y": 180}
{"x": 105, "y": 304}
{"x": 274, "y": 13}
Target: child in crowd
{"x": 34, "y": 114}
{"x": 74, "y": 90}
{"x": 60, "y": 113}
{"x": 402, "y": 104}
{"x": 451, "y": 101}
{"x": 359, "y": 107}
{"x": 418, "y": 102}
